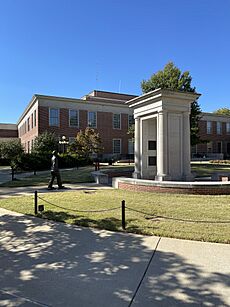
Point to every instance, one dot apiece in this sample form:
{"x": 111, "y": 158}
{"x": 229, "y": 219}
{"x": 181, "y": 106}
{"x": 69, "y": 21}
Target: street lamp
{"x": 64, "y": 141}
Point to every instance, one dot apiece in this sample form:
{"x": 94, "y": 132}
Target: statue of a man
{"x": 55, "y": 172}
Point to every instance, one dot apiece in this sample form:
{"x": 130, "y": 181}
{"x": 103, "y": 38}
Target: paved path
{"x": 43, "y": 263}
{"x": 17, "y": 191}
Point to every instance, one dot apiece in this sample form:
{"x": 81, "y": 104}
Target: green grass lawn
{"x": 83, "y": 174}
{"x": 163, "y": 213}
{"x": 68, "y": 176}
{"x": 207, "y": 169}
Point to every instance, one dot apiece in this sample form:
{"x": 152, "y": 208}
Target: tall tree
{"x": 86, "y": 143}
{"x": 223, "y": 111}
{"x": 172, "y": 78}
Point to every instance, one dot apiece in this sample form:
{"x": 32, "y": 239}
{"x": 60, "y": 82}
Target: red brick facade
{"x": 216, "y": 139}
{"x": 103, "y": 109}
{"x": 8, "y": 131}
{"x": 104, "y": 127}
{"x": 205, "y": 190}
{"x": 4, "y": 133}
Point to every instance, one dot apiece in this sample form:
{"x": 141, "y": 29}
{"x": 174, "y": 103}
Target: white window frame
{"x": 35, "y": 118}
{"x": 58, "y": 117}
{"x": 28, "y": 124}
{"x": 90, "y": 125}
{"x": 221, "y": 146}
{"x": 219, "y": 128}
{"x": 117, "y": 122}
{"x": 114, "y": 146}
{"x": 209, "y": 127}
{"x": 32, "y": 120}
{"x": 77, "y": 125}
{"x": 227, "y": 128}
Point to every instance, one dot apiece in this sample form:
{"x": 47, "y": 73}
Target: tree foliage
{"x": 45, "y": 143}
{"x": 172, "y": 78}
{"x": 86, "y": 143}
{"x": 12, "y": 151}
{"x": 131, "y": 131}
{"x": 223, "y": 111}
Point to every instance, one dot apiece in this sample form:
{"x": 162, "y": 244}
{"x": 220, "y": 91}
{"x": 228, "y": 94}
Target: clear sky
{"x": 70, "y": 47}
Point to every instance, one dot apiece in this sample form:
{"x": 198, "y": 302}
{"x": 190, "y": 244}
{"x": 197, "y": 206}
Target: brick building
{"x": 215, "y": 130}
{"x": 8, "y": 132}
{"x": 103, "y": 111}
{"x": 108, "y": 114}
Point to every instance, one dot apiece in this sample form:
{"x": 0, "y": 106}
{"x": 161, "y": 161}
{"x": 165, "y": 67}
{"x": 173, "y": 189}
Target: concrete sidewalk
{"x": 19, "y": 191}
{"x": 43, "y": 263}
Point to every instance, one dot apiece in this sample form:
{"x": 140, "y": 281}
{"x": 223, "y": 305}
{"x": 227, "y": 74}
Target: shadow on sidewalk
{"x": 63, "y": 265}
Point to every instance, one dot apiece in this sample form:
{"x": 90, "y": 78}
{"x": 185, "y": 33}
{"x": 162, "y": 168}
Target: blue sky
{"x": 70, "y": 47}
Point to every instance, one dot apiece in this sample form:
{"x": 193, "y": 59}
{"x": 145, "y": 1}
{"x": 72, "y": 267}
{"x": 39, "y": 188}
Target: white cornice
{"x": 161, "y": 93}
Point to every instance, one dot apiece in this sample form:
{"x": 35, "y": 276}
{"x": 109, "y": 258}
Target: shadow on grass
{"x": 110, "y": 223}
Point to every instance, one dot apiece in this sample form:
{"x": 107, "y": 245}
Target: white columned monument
{"x": 162, "y": 135}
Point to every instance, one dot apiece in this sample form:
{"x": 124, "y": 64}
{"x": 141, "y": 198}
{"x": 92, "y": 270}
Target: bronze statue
{"x": 55, "y": 172}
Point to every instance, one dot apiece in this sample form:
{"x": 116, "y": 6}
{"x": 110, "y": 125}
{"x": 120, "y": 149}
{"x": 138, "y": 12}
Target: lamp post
{"x": 64, "y": 141}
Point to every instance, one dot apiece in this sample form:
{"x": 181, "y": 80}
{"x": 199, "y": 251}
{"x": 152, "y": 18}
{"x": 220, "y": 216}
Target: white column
{"x": 162, "y": 150}
{"x": 186, "y": 147}
{"x": 137, "y": 154}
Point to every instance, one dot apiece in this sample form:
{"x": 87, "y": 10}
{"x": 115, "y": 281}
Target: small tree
{"x": 45, "y": 143}
{"x": 131, "y": 131}
{"x": 12, "y": 151}
{"x": 86, "y": 143}
{"x": 172, "y": 78}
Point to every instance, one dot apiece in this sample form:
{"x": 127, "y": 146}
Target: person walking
{"x": 55, "y": 172}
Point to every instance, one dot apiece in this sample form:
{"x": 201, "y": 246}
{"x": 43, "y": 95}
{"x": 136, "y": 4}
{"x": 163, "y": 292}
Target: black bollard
{"x": 123, "y": 214}
{"x": 35, "y": 202}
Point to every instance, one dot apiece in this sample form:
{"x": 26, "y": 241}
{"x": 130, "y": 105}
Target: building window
{"x": 71, "y": 139}
{"x": 130, "y": 147}
{"x": 28, "y": 148}
{"x": 209, "y": 127}
{"x": 116, "y": 146}
{"x": 152, "y": 161}
{"x": 228, "y": 128}
{"x": 54, "y": 117}
{"x": 116, "y": 121}
{"x": 228, "y": 148}
{"x": 130, "y": 121}
{"x": 73, "y": 118}
{"x": 219, "y": 128}
{"x": 28, "y": 124}
{"x": 219, "y": 147}
{"x": 92, "y": 119}
{"x": 209, "y": 147}
{"x": 32, "y": 121}
{"x": 152, "y": 145}
{"x": 35, "y": 118}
